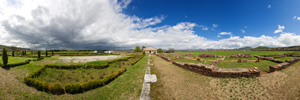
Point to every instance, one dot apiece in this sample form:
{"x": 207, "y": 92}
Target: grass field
{"x": 12, "y": 60}
{"x": 127, "y": 86}
{"x": 192, "y": 61}
{"x": 285, "y": 58}
{"x": 263, "y": 65}
{"x": 229, "y": 53}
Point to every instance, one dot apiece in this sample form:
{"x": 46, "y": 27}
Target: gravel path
{"x": 83, "y": 59}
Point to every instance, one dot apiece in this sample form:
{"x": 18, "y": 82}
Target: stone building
{"x": 150, "y": 50}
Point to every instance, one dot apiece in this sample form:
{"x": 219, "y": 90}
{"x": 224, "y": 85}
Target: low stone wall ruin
{"x": 208, "y": 55}
{"x": 281, "y": 65}
{"x": 240, "y": 56}
{"x": 214, "y": 70}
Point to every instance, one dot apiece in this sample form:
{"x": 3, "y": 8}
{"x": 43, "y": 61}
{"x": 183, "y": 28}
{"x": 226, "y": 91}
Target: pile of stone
{"x": 175, "y": 55}
{"x": 240, "y": 56}
{"x": 189, "y": 55}
{"x": 242, "y": 60}
{"x": 208, "y": 55}
{"x": 291, "y": 54}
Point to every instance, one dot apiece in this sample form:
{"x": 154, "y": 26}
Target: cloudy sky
{"x": 124, "y": 24}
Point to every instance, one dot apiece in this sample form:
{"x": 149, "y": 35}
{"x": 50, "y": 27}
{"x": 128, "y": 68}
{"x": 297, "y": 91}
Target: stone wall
{"x": 208, "y": 55}
{"x": 214, "y": 70}
{"x": 283, "y": 64}
{"x": 240, "y": 56}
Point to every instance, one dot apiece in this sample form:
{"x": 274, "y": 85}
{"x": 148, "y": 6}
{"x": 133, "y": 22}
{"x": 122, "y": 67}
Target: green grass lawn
{"x": 12, "y": 60}
{"x": 285, "y": 58}
{"x": 126, "y": 87}
{"x": 263, "y": 65}
{"x": 229, "y": 53}
{"x": 192, "y": 61}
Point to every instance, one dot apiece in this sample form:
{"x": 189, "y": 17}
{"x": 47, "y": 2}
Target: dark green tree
{"x": 13, "y": 53}
{"x": 144, "y": 53}
{"x": 52, "y": 53}
{"x": 46, "y": 53}
{"x": 4, "y": 57}
{"x": 137, "y": 49}
{"x": 159, "y": 50}
{"x": 143, "y": 47}
{"x": 39, "y": 54}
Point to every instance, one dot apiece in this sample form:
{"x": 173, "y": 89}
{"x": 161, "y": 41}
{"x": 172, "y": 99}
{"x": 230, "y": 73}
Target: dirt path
{"x": 177, "y": 83}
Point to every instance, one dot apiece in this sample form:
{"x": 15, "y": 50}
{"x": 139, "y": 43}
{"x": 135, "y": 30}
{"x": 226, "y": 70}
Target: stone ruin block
{"x": 208, "y": 55}
{"x": 242, "y": 60}
{"x": 240, "y": 56}
{"x": 189, "y": 55}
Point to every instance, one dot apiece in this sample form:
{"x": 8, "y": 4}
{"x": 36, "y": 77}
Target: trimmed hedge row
{"x": 18, "y": 64}
{"x": 54, "y": 88}
{"x": 134, "y": 62}
{"x": 81, "y": 87}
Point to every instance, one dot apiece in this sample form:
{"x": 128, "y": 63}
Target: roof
{"x": 149, "y": 48}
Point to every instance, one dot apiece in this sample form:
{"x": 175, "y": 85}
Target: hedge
{"x": 17, "y": 64}
{"x": 134, "y": 62}
{"x": 81, "y": 87}
{"x": 56, "y": 88}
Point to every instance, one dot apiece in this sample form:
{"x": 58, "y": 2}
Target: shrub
{"x": 46, "y": 53}
{"x": 39, "y": 54}
{"x": 4, "y": 58}
{"x": 79, "y": 88}
{"x": 55, "y": 88}
{"x": 132, "y": 63}
{"x": 13, "y": 53}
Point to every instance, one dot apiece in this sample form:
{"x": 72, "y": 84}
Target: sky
{"x": 124, "y": 24}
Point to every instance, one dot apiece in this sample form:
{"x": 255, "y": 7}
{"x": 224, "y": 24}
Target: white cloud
{"x": 243, "y": 31}
{"x": 279, "y": 30}
{"x": 215, "y": 25}
{"x": 269, "y": 6}
{"x": 245, "y": 27}
{"x": 296, "y": 18}
{"x": 205, "y": 28}
{"x": 225, "y": 33}
{"x": 96, "y": 24}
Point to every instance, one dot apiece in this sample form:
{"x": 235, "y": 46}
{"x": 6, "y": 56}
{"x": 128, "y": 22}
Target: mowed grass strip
{"x": 12, "y": 60}
{"x": 285, "y": 58}
{"x": 262, "y": 65}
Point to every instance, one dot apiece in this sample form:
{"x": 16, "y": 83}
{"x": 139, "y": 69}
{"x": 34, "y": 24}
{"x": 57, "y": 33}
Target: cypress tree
{"x": 39, "y": 54}
{"x": 46, "y": 53}
{"x": 13, "y": 53}
{"x": 52, "y": 52}
{"x": 4, "y": 57}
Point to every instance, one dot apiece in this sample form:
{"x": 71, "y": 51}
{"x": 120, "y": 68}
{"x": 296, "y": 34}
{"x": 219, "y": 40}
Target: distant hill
{"x": 11, "y": 48}
{"x": 244, "y": 48}
{"x": 263, "y": 48}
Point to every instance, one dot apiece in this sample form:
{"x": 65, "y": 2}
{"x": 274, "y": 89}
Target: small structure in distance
{"x": 150, "y": 50}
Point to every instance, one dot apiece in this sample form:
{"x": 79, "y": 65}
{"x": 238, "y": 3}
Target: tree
{"x": 143, "y": 48}
{"x": 46, "y": 53}
{"x": 159, "y": 50}
{"x": 137, "y": 49}
{"x": 52, "y": 52}
{"x": 39, "y": 54}
{"x": 171, "y": 50}
{"x": 144, "y": 52}
{"x": 13, "y": 53}
{"x": 4, "y": 57}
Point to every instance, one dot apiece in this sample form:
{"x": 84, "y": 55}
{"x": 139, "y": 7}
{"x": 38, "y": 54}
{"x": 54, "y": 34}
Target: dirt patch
{"x": 177, "y": 83}
{"x": 84, "y": 59}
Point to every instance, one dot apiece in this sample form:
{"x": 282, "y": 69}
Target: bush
{"x": 13, "y": 53}
{"x": 4, "y": 58}
{"x": 39, "y": 54}
{"x": 79, "y": 88}
{"x": 46, "y": 53}
{"x": 18, "y": 64}
{"x": 55, "y": 88}
{"x": 132, "y": 63}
